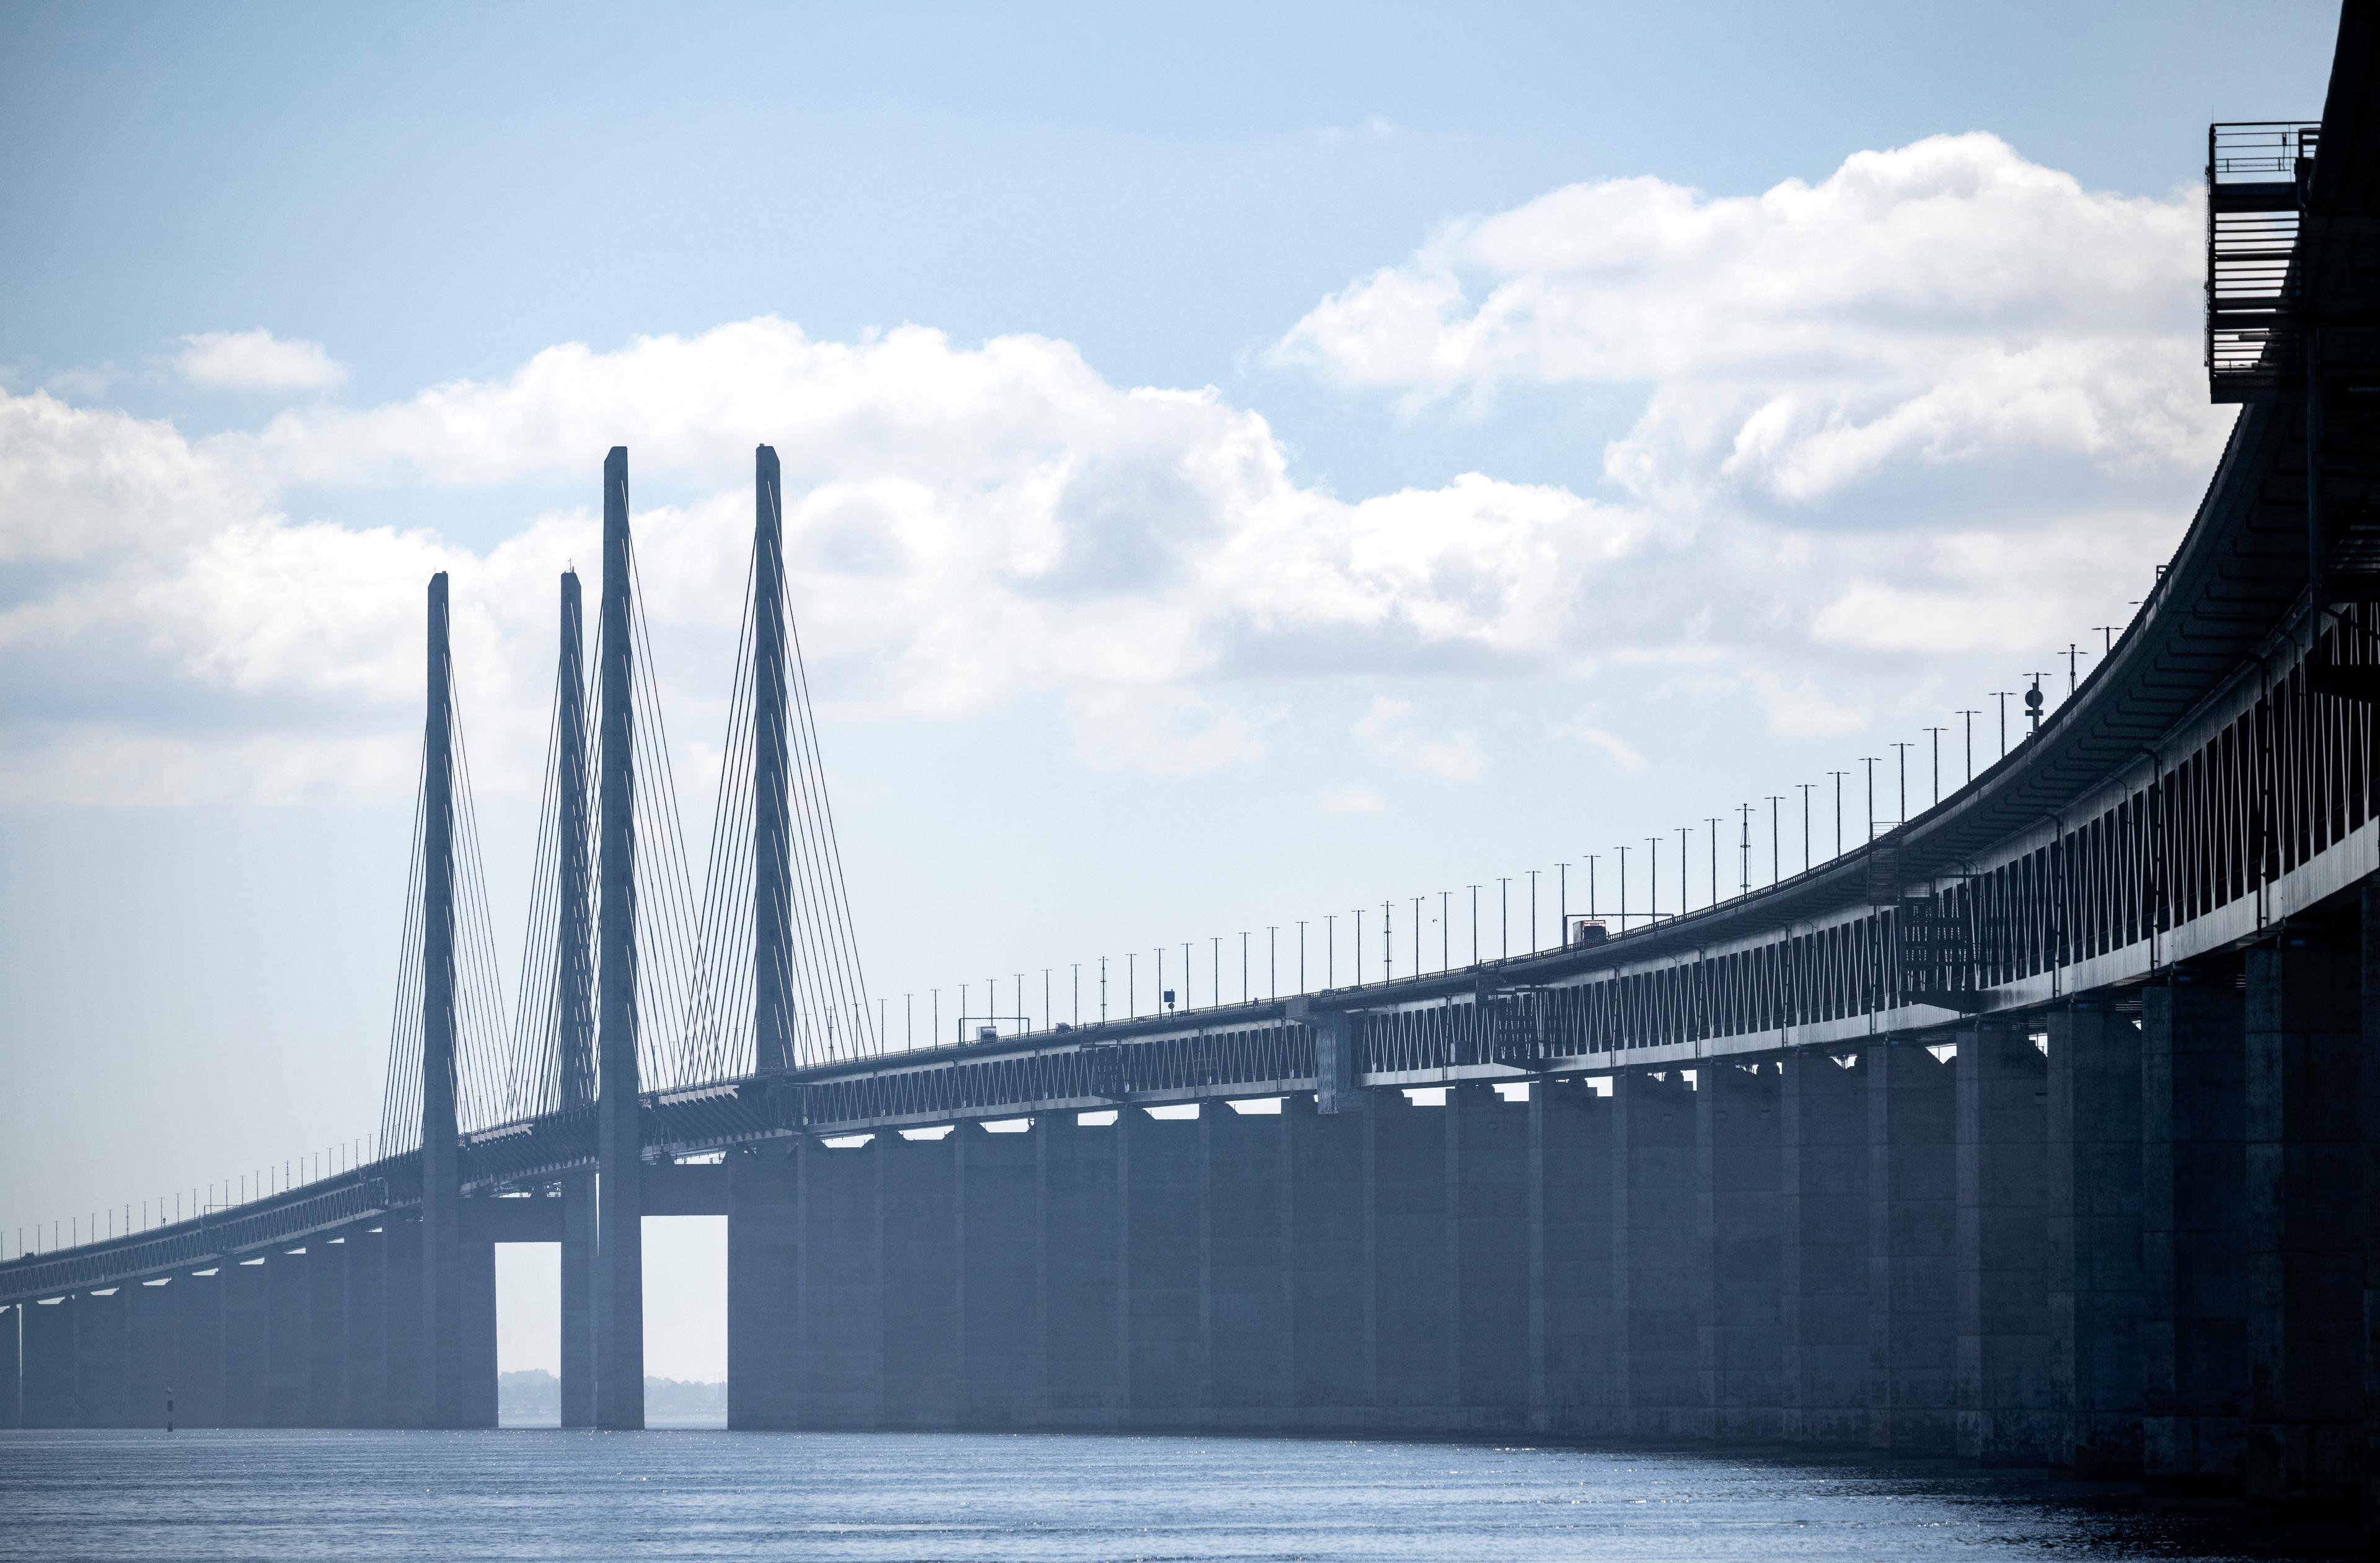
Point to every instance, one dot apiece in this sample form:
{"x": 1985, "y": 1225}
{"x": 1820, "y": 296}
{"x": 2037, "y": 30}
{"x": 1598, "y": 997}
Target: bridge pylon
{"x": 574, "y": 1002}
{"x": 619, "y": 1293}
{"x": 445, "y": 1394}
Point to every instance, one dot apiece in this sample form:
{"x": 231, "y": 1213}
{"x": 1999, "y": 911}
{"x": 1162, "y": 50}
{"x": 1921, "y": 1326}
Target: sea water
{"x": 522, "y": 1493}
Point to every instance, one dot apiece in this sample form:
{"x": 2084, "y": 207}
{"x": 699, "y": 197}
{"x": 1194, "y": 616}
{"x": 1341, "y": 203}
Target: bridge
{"x": 2039, "y": 1129}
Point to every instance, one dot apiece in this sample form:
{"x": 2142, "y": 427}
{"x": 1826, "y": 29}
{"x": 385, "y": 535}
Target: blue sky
{"x": 1250, "y": 463}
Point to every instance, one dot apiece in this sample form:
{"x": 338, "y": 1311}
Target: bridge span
{"x": 2043, "y": 1129}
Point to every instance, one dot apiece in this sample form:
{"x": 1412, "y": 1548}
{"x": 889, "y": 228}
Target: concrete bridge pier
{"x": 2003, "y": 1257}
{"x": 1488, "y": 1245}
{"x": 579, "y": 1280}
{"x": 999, "y": 1275}
{"x": 363, "y": 1323}
{"x": 1245, "y": 1279}
{"x": 1657, "y": 1369}
{"x": 2194, "y": 1229}
{"x": 1329, "y": 1261}
{"x": 2093, "y": 1232}
{"x": 400, "y": 1341}
{"x": 1822, "y": 1116}
{"x": 1161, "y": 1183}
{"x": 48, "y": 1376}
{"x": 103, "y": 1342}
{"x": 1571, "y": 1292}
{"x": 842, "y": 1286}
{"x": 326, "y": 1332}
{"x": 1740, "y": 1263}
{"x": 248, "y": 1344}
{"x": 2306, "y": 1261}
{"x": 1081, "y": 1232}
{"x": 1412, "y": 1280}
{"x": 288, "y": 1334}
{"x": 764, "y": 1287}
{"x": 1912, "y": 1249}
{"x": 199, "y": 1348}
{"x": 918, "y": 1242}
{"x": 12, "y": 1398}
{"x": 153, "y": 1353}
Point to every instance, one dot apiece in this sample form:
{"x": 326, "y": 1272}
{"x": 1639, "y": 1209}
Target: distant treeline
{"x": 535, "y": 1395}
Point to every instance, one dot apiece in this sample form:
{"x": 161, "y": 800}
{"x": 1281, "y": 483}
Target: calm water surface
{"x": 552, "y": 1495}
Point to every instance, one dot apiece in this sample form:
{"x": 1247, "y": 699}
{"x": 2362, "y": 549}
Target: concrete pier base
{"x": 1246, "y": 1239}
{"x": 1656, "y": 1372}
{"x": 1081, "y": 1271}
{"x": 1330, "y": 1264}
{"x": 1487, "y": 1163}
{"x": 49, "y": 1369}
{"x": 2305, "y": 1219}
{"x": 1739, "y": 1260}
{"x": 1823, "y": 1220}
{"x": 2194, "y": 1231}
{"x": 153, "y": 1371}
{"x": 102, "y": 1352}
{"x": 1911, "y": 1250}
{"x": 843, "y": 1290}
{"x": 918, "y": 1239}
{"x": 2003, "y": 1109}
{"x": 2094, "y": 1231}
{"x": 1571, "y": 1287}
{"x": 247, "y": 1343}
{"x": 1412, "y": 1282}
{"x": 1000, "y": 1330}
{"x": 199, "y": 1348}
{"x": 764, "y": 1291}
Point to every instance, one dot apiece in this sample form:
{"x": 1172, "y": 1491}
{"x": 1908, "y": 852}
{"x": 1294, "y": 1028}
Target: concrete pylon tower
{"x": 575, "y": 1006}
{"x": 443, "y": 1398}
{"x": 619, "y": 1293}
{"x": 772, "y": 940}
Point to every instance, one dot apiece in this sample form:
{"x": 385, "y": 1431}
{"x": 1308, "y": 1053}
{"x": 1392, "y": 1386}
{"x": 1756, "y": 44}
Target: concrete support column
{"x": 1412, "y": 1288}
{"x": 578, "y": 1282}
{"x": 12, "y": 1384}
{"x": 247, "y": 1343}
{"x": 326, "y": 1347}
{"x": 1912, "y": 1293}
{"x": 199, "y": 1348}
{"x": 764, "y": 1252}
{"x": 1163, "y": 1176}
{"x": 1330, "y": 1264}
{"x": 366, "y": 1346}
{"x": 12, "y": 1388}
{"x": 919, "y": 1241}
{"x": 1250, "y": 1371}
{"x": 2305, "y": 1218}
{"x": 1822, "y": 1123}
{"x": 842, "y": 1286}
{"x": 1739, "y": 1260}
{"x": 289, "y": 1329}
{"x": 2003, "y": 1108}
{"x": 999, "y": 1275}
{"x": 1082, "y": 1271}
{"x": 2194, "y": 1230}
{"x": 2095, "y": 1241}
{"x": 2368, "y": 1094}
{"x": 401, "y": 1361}
{"x": 1570, "y": 1259}
{"x": 476, "y": 1385}
{"x": 1488, "y": 1248}
{"x": 153, "y": 1375}
{"x": 103, "y": 1338}
{"x": 1656, "y": 1370}
{"x": 49, "y": 1369}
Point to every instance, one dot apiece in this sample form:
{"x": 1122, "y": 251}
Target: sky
{"x": 1243, "y": 465}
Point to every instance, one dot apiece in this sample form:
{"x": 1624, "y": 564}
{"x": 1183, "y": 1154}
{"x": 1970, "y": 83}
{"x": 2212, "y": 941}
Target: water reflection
{"x": 537, "y": 1495}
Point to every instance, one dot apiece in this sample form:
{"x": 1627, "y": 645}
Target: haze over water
{"x": 658, "y": 1494}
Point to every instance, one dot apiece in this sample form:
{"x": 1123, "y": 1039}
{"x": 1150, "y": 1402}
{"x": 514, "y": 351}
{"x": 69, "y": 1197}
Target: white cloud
{"x": 1940, "y": 306}
{"x": 1391, "y": 732}
{"x": 257, "y": 360}
{"x": 1621, "y": 752}
{"x": 1354, "y": 800}
{"x": 1938, "y": 406}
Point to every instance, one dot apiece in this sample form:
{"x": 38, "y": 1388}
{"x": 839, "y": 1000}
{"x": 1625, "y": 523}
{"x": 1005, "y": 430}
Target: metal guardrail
{"x": 2256, "y": 177}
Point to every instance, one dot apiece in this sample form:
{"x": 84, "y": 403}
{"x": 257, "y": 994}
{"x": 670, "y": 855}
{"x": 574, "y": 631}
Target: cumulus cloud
{"x": 1393, "y": 731}
{"x": 256, "y": 360}
{"x": 1940, "y": 306}
{"x": 1930, "y": 406}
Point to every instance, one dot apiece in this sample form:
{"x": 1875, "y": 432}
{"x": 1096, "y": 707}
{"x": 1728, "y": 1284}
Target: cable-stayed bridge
{"x": 2041, "y": 1129}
